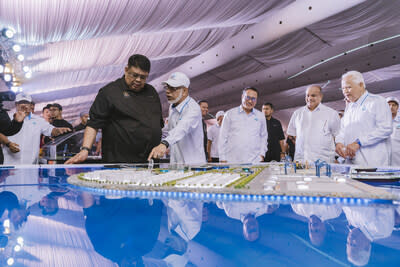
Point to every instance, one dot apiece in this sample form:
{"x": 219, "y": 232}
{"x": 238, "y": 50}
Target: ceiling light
{"x": 1, "y": 68}
{"x": 16, "y": 48}
{"x": 7, "y": 77}
{"x": 20, "y": 57}
{"x": 25, "y": 68}
{"x": 28, "y": 75}
{"x": 8, "y": 33}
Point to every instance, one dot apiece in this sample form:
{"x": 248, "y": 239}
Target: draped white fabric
{"x": 75, "y": 47}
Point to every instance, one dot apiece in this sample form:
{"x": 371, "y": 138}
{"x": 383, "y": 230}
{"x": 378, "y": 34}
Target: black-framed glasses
{"x": 252, "y": 99}
{"x": 137, "y": 75}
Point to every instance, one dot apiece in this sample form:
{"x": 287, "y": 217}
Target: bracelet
{"x": 85, "y": 148}
{"x": 165, "y": 143}
{"x": 8, "y": 144}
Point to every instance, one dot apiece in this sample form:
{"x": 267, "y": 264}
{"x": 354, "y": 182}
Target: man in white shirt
{"x": 185, "y": 128}
{"x": 369, "y": 224}
{"x": 316, "y": 216}
{"x": 366, "y": 125}
{"x": 243, "y": 135}
{"x": 213, "y": 136}
{"x": 23, "y": 147}
{"x": 314, "y": 127}
{"x": 395, "y": 137}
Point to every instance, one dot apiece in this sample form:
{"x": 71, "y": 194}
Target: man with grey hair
{"x": 314, "y": 127}
{"x": 366, "y": 125}
{"x": 395, "y": 137}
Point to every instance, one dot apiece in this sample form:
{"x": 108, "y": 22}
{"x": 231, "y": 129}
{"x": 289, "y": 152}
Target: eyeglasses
{"x": 253, "y": 99}
{"x": 137, "y": 75}
{"x": 172, "y": 89}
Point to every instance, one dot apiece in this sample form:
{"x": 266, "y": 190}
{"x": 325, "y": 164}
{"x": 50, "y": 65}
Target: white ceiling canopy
{"x": 75, "y": 47}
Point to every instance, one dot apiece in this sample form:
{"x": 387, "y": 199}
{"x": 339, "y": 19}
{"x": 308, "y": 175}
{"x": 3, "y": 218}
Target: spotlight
{"x": 16, "y": 48}
{"x": 28, "y": 75}
{"x": 10, "y": 261}
{"x": 1, "y": 68}
{"x": 8, "y": 33}
{"x": 25, "y": 68}
{"x": 20, "y": 57}
{"x": 14, "y": 89}
{"x": 7, "y": 77}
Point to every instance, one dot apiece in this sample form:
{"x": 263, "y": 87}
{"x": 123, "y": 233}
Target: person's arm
{"x": 59, "y": 130}
{"x": 264, "y": 138}
{"x": 283, "y": 149}
{"x": 189, "y": 121}
{"x": 209, "y": 144}
{"x": 14, "y": 147}
{"x": 223, "y": 137}
{"x": 10, "y": 127}
{"x": 281, "y": 140}
{"x": 89, "y": 137}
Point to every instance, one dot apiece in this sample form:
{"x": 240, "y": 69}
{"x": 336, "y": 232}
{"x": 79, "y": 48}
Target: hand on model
{"x": 61, "y": 130}
{"x": 78, "y": 158}
{"x": 158, "y": 152}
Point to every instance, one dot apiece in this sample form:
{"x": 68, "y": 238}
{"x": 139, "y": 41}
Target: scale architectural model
{"x": 271, "y": 181}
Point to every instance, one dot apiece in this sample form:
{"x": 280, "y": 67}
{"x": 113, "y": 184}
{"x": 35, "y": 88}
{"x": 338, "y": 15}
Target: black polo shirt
{"x": 275, "y": 134}
{"x": 131, "y": 122}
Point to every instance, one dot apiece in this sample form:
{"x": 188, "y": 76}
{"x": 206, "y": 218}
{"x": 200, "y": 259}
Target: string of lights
{"x": 12, "y": 68}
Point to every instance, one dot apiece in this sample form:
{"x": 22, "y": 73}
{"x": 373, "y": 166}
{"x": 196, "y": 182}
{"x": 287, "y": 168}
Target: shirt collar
{"x": 182, "y": 105}
{"x": 362, "y": 98}
{"x": 242, "y": 110}
{"x": 317, "y": 108}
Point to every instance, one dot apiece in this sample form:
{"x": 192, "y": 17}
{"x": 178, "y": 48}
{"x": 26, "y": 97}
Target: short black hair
{"x": 139, "y": 61}
{"x": 269, "y": 104}
{"x": 202, "y": 101}
{"x": 56, "y": 105}
{"x": 251, "y": 88}
{"x": 46, "y": 107}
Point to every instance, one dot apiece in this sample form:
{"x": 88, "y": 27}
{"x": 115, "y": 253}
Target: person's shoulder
{"x": 326, "y": 108}
{"x": 230, "y": 111}
{"x": 110, "y": 87}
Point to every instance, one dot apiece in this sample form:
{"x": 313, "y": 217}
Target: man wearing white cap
{"x": 212, "y": 136}
{"x": 23, "y": 147}
{"x": 366, "y": 125}
{"x": 185, "y": 129}
{"x": 395, "y": 137}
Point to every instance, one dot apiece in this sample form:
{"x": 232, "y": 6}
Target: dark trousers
{"x": 214, "y": 159}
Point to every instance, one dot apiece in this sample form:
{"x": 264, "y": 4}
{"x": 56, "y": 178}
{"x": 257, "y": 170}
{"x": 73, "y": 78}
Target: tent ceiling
{"x": 76, "y": 47}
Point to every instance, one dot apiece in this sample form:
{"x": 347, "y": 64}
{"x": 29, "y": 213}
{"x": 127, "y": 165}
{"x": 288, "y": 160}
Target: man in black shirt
{"x": 276, "y": 137}
{"x": 57, "y": 119}
{"x": 128, "y": 111}
{"x": 84, "y": 119}
{"x": 10, "y": 127}
{"x": 204, "y": 111}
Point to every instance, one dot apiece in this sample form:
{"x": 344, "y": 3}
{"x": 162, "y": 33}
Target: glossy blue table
{"x": 47, "y": 222}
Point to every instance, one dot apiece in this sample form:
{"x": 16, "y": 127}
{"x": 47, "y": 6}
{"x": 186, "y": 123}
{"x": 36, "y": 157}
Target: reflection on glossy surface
{"x": 46, "y": 222}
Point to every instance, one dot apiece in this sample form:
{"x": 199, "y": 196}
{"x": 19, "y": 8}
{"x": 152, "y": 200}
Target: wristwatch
{"x": 85, "y": 148}
{"x": 165, "y": 143}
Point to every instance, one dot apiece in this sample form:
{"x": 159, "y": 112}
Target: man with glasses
{"x": 243, "y": 135}
{"x": 185, "y": 128}
{"x": 128, "y": 111}
{"x": 314, "y": 128}
{"x": 366, "y": 125}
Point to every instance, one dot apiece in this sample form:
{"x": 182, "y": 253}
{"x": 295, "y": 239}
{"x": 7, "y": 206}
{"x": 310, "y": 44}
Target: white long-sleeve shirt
{"x": 375, "y": 223}
{"x": 323, "y": 212}
{"x": 243, "y": 137}
{"x": 370, "y": 121}
{"x": 185, "y": 133}
{"x": 213, "y": 136}
{"x": 395, "y": 142}
{"x": 315, "y": 131}
{"x": 28, "y": 139}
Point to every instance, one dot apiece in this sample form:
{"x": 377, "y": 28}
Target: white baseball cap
{"x": 219, "y": 113}
{"x": 178, "y": 79}
{"x": 392, "y": 99}
{"x": 23, "y": 97}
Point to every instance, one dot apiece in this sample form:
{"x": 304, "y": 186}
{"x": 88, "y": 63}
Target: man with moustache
{"x": 243, "y": 135}
{"x": 314, "y": 128}
{"x": 185, "y": 128}
{"x": 366, "y": 125}
{"x": 128, "y": 111}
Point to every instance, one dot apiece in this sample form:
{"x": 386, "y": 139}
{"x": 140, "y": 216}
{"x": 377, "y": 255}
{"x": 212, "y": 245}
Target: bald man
{"x": 314, "y": 127}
